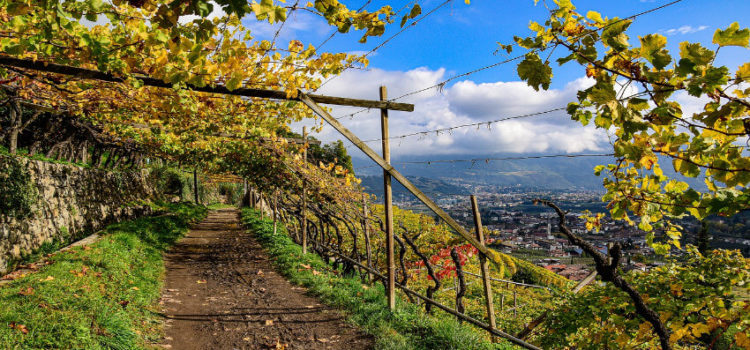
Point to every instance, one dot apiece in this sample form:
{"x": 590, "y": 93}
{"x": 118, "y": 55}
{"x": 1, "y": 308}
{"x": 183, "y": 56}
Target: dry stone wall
{"x": 71, "y": 202}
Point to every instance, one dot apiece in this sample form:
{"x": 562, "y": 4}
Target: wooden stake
{"x": 366, "y": 230}
{"x": 275, "y": 209}
{"x": 195, "y": 185}
{"x": 484, "y": 266}
{"x": 388, "y": 204}
{"x": 304, "y": 196}
{"x": 515, "y": 302}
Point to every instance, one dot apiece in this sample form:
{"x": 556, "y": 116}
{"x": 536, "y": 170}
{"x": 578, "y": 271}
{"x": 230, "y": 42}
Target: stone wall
{"x": 71, "y": 203}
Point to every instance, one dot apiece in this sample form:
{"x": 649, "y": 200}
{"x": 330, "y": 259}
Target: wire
{"x": 487, "y": 160}
{"x": 442, "y": 84}
{"x": 489, "y": 122}
{"x": 386, "y": 41}
{"x": 317, "y": 48}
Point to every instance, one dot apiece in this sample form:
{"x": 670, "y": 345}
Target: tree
{"x": 634, "y": 94}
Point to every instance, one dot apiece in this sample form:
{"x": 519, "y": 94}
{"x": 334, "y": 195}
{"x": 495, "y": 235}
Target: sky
{"x": 459, "y": 38}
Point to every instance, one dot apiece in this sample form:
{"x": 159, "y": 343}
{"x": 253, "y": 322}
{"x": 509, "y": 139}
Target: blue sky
{"x": 458, "y": 38}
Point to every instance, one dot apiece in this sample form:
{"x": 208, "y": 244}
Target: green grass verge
{"x": 409, "y": 327}
{"x": 101, "y": 296}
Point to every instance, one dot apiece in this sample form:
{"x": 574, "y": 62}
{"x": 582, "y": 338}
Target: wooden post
{"x": 393, "y": 172}
{"x": 366, "y": 230}
{"x": 388, "y": 204}
{"x": 275, "y": 209}
{"x": 502, "y": 301}
{"x": 195, "y": 185}
{"x": 515, "y": 302}
{"x": 484, "y": 266}
{"x": 304, "y": 195}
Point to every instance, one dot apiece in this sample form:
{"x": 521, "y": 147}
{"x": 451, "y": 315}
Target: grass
{"x": 409, "y": 327}
{"x": 101, "y": 296}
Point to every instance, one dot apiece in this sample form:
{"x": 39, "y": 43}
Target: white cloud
{"x": 463, "y": 103}
{"x": 296, "y": 23}
{"x": 216, "y": 12}
{"x": 687, "y": 29}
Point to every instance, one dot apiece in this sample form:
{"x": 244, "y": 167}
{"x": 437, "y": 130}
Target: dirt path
{"x": 221, "y": 292}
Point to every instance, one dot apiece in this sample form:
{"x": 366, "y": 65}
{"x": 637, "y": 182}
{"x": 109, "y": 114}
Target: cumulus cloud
{"x": 686, "y": 29}
{"x": 464, "y": 102}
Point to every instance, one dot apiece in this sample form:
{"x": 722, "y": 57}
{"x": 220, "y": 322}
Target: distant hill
{"x": 374, "y": 185}
{"x": 549, "y": 173}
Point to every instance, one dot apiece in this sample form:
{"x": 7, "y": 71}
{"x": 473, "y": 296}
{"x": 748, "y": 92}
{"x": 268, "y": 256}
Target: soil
{"x": 221, "y": 292}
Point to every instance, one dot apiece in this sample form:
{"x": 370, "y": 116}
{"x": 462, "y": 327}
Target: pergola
{"x": 313, "y": 102}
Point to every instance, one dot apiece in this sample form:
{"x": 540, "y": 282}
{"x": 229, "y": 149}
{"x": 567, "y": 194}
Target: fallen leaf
{"x": 86, "y": 247}
{"x": 246, "y": 338}
{"x": 315, "y": 272}
{"x": 49, "y": 278}
{"x": 19, "y": 327}
{"x": 200, "y": 281}
{"x": 323, "y": 340}
{"x": 260, "y": 272}
{"x": 134, "y": 288}
{"x": 269, "y": 322}
{"x": 124, "y": 303}
{"x": 305, "y": 266}
{"x": 26, "y": 291}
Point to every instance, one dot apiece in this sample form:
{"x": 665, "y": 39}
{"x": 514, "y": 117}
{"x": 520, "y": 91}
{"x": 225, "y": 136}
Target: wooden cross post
{"x": 484, "y": 266}
{"x": 304, "y": 195}
{"x": 388, "y": 198}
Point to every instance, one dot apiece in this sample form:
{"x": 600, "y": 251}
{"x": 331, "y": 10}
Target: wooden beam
{"x": 303, "y": 210}
{"x": 388, "y": 205}
{"x": 218, "y": 89}
{"x": 396, "y": 174}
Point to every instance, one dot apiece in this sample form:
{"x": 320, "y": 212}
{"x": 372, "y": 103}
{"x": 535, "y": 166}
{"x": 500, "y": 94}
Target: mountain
{"x": 544, "y": 173}
{"x": 374, "y": 185}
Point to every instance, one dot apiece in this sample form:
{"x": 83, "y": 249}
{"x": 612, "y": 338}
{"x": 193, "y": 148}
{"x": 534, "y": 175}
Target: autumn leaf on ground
{"x": 49, "y": 278}
{"x": 19, "y": 327}
{"x": 269, "y": 322}
{"x": 200, "y": 281}
{"x": 124, "y": 303}
{"x": 305, "y": 266}
{"x": 315, "y": 272}
{"x": 260, "y": 272}
{"x": 135, "y": 288}
{"x": 26, "y": 291}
